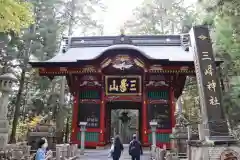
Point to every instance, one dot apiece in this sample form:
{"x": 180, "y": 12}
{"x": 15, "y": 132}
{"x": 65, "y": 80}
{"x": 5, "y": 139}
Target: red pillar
{"x": 102, "y": 119}
{"x": 75, "y": 118}
{"x": 144, "y": 115}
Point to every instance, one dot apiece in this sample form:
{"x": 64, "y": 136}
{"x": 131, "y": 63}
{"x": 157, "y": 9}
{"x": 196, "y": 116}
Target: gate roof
{"x": 171, "y": 48}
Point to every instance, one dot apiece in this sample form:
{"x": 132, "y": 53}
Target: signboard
{"x": 90, "y": 113}
{"x": 123, "y": 85}
{"x": 160, "y": 113}
{"x": 208, "y": 84}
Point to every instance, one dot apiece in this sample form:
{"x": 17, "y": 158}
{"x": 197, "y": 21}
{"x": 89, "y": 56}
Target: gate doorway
{"x": 123, "y": 118}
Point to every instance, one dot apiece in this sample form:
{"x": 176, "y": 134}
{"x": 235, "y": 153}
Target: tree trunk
{"x": 17, "y": 108}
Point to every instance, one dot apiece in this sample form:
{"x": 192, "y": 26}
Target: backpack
{"x": 134, "y": 148}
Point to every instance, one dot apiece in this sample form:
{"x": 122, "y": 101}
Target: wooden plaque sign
{"x": 123, "y": 85}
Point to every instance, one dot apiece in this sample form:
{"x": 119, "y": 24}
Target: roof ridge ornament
{"x": 185, "y": 42}
{"x": 122, "y": 32}
{"x": 122, "y": 38}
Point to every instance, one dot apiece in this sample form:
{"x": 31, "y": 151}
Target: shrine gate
{"x": 146, "y": 73}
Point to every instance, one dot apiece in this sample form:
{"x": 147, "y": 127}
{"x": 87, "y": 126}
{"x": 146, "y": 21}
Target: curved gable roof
{"x": 172, "y": 53}
{"x": 157, "y": 47}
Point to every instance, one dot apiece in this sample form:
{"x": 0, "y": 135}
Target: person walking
{"x": 116, "y": 148}
{"x": 135, "y": 148}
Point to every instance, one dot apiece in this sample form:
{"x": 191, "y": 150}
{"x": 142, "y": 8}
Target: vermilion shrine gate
{"x": 146, "y": 73}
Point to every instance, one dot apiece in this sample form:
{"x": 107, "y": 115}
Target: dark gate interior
{"x": 122, "y": 105}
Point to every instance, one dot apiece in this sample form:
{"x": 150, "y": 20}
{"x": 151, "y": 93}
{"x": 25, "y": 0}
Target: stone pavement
{"x": 102, "y": 154}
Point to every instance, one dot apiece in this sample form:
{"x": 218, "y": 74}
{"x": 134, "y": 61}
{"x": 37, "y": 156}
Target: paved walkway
{"x": 97, "y": 154}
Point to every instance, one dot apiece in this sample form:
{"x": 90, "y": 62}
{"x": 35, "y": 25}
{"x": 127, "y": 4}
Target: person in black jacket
{"x": 135, "y": 148}
{"x": 117, "y": 148}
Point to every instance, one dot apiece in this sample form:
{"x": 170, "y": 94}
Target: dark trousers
{"x": 115, "y": 158}
{"x": 136, "y": 157}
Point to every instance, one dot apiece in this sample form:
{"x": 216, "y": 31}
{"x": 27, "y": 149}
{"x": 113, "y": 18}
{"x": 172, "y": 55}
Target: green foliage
{"x": 37, "y": 95}
{"x": 161, "y": 17}
{"x": 223, "y": 16}
{"x": 190, "y": 99}
{"x": 15, "y": 15}
{"x": 169, "y": 17}
{"x": 40, "y": 40}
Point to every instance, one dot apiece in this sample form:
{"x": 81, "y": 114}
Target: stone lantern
{"x": 83, "y": 130}
{"x": 153, "y": 125}
{"x": 6, "y": 82}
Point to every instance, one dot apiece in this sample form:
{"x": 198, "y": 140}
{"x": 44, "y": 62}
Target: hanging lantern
{"x": 124, "y": 117}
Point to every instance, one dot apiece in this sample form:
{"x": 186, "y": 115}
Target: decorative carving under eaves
{"x": 122, "y": 62}
{"x": 184, "y": 68}
{"x": 106, "y": 62}
{"x": 154, "y": 101}
{"x": 112, "y": 98}
{"x": 157, "y": 77}
{"x": 139, "y": 62}
{"x": 157, "y": 83}
{"x": 88, "y": 101}
{"x": 89, "y": 69}
{"x": 126, "y": 98}
{"x": 88, "y": 78}
{"x": 63, "y": 69}
{"x": 155, "y": 68}
{"x": 90, "y": 83}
